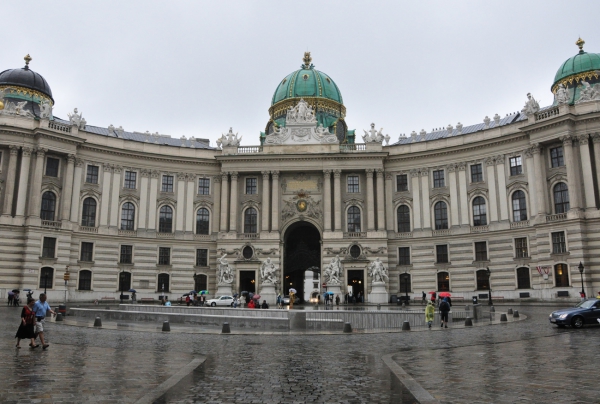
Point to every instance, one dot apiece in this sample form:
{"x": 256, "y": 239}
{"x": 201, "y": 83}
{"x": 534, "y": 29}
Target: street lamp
{"x": 581, "y": 268}
{"x": 489, "y": 274}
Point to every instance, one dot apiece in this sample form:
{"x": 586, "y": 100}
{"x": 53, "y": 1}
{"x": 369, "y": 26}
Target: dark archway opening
{"x": 302, "y": 250}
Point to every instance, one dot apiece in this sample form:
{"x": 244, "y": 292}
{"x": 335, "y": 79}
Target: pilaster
{"x": 180, "y": 208}
{"x": 464, "y": 198}
{"x": 588, "y": 177}
{"x": 224, "y": 200}
{"x": 23, "y": 181}
{"x": 275, "y": 200}
{"x": 10, "y": 183}
{"x": 493, "y": 196}
{"x": 36, "y": 186}
{"x": 114, "y": 196}
{"x": 337, "y": 200}
{"x": 501, "y": 175}
{"x": 389, "y": 191}
{"x": 454, "y": 208}
{"x": 265, "y": 201}
{"x": 534, "y": 205}
{"x": 143, "y": 214}
{"x": 370, "y": 205}
{"x": 152, "y": 199}
{"x": 216, "y": 213}
{"x": 327, "y": 199}
{"x": 380, "y": 201}
{"x": 191, "y": 189}
{"x": 416, "y": 195}
{"x": 233, "y": 207}
{"x": 574, "y": 186}
{"x": 424, "y": 173}
{"x": 68, "y": 188}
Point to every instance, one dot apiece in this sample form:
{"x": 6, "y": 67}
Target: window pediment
{"x": 166, "y": 200}
{"x": 353, "y": 201}
{"x": 477, "y": 191}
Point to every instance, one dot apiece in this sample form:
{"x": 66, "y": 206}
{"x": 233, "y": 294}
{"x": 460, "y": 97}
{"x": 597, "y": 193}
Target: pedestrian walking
{"x": 424, "y": 299}
{"x": 27, "y": 327}
{"x": 444, "y": 310}
{"x": 337, "y": 300}
{"x": 41, "y": 308}
{"x": 429, "y": 313}
{"x": 188, "y": 300}
{"x": 11, "y": 296}
{"x": 17, "y": 299}
{"x": 133, "y": 298}
{"x": 279, "y": 301}
{"x": 251, "y": 304}
{"x": 433, "y": 297}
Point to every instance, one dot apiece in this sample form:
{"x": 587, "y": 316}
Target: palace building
{"x": 508, "y": 205}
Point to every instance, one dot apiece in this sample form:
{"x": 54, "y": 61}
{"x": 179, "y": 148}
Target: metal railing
{"x": 353, "y": 147}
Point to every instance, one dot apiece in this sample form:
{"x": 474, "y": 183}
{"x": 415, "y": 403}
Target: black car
{"x": 586, "y": 312}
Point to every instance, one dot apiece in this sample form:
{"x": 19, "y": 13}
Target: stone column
{"x": 275, "y": 204}
{"x": 105, "y": 201}
{"x": 533, "y": 205}
{"x": 337, "y": 200}
{"x": 180, "y": 207}
{"x": 540, "y": 182}
{"x": 23, "y": 181}
{"x": 191, "y": 190}
{"x": 501, "y": 173}
{"x": 224, "y": 200}
{"x": 36, "y": 185}
{"x": 370, "y": 205}
{"x": 596, "y": 140}
{"x": 380, "y": 201}
{"x": 588, "y": 177}
{"x": 327, "y": 199}
{"x": 233, "y": 207}
{"x": 424, "y": 172}
{"x": 573, "y": 179}
{"x": 68, "y": 190}
{"x": 10, "y": 183}
{"x": 143, "y": 213}
{"x": 493, "y": 196}
{"x": 389, "y": 206}
{"x": 115, "y": 213}
{"x": 216, "y": 213}
{"x": 455, "y": 208}
{"x": 152, "y": 199}
{"x": 462, "y": 192}
{"x": 75, "y": 197}
{"x": 416, "y": 195}
{"x": 265, "y": 201}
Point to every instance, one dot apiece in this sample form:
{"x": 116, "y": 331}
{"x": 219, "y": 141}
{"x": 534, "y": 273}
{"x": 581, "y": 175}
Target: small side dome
{"x": 25, "y": 78}
{"x": 583, "y": 65}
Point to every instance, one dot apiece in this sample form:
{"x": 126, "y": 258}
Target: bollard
{"x": 347, "y": 327}
{"x": 468, "y": 322}
{"x": 503, "y": 317}
{"x": 492, "y": 309}
{"x": 98, "y": 322}
{"x": 166, "y": 326}
{"x": 59, "y": 317}
{"x": 510, "y": 311}
{"x": 225, "y": 329}
{"x": 406, "y": 326}
{"x": 516, "y": 314}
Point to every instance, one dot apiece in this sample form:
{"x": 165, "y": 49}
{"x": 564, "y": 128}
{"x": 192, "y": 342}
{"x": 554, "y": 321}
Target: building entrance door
{"x": 248, "y": 281}
{"x": 356, "y": 285}
{"x": 302, "y": 250}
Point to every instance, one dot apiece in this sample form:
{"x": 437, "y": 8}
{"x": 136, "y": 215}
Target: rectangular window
{"x": 481, "y": 251}
{"x": 438, "y": 179}
{"x": 52, "y": 167}
{"x": 126, "y": 255}
{"x": 251, "y": 187}
{"x": 85, "y": 280}
{"x": 559, "y": 244}
{"x": 516, "y": 167}
{"x": 476, "y": 173}
{"x": 401, "y": 183}
{"x": 556, "y": 157}
{"x": 203, "y": 186}
{"x": 521, "y": 247}
{"x": 201, "y": 257}
{"x": 403, "y": 255}
{"x": 353, "y": 184}
{"x": 87, "y": 252}
{"x": 167, "y": 183}
{"x": 164, "y": 256}
{"x": 441, "y": 253}
{"x": 91, "y": 177}
{"x": 46, "y": 278}
{"x": 130, "y": 179}
{"x": 49, "y": 247}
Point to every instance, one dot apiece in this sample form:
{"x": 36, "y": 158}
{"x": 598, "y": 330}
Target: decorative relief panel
{"x": 301, "y": 182}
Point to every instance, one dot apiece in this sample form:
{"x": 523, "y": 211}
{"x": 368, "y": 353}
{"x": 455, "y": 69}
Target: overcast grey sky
{"x": 195, "y": 68}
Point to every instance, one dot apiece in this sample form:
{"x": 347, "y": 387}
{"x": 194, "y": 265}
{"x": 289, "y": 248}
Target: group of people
{"x": 350, "y": 298}
{"x": 195, "y": 300}
{"x": 329, "y": 299}
{"x": 33, "y": 319}
{"x": 14, "y": 299}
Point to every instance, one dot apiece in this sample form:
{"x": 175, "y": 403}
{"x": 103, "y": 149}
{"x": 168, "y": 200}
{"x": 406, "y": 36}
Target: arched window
{"x": 561, "y": 198}
{"x": 163, "y": 283}
{"x": 441, "y": 215}
{"x": 165, "y": 220}
{"x": 124, "y": 281}
{"x": 483, "y": 280}
{"x": 443, "y": 282}
{"x": 353, "y": 219}
{"x": 128, "y": 216}
{"x": 202, "y": 219}
{"x": 523, "y": 278}
{"x": 519, "y": 206}
{"x": 250, "y": 221}
{"x": 403, "y": 219}
{"x": 479, "y": 212}
{"x": 85, "y": 280}
{"x": 88, "y": 215}
{"x": 46, "y": 278}
{"x": 48, "y": 206}
{"x": 561, "y": 275}
{"x": 405, "y": 284}
{"x": 200, "y": 283}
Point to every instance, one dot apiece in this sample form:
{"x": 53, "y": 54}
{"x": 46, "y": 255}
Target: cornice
{"x": 190, "y": 160}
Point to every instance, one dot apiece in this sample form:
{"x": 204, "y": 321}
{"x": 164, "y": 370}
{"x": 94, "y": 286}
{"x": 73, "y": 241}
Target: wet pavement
{"x": 528, "y": 361}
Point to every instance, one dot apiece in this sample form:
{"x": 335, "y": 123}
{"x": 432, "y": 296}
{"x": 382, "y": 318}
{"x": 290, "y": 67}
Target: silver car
{"x": 220, "y": 301}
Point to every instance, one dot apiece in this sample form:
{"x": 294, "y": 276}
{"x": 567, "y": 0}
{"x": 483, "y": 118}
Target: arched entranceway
{"x": 302, "y": 250}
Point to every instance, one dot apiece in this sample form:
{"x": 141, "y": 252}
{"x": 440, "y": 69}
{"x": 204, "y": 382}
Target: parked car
{"x": 286, "y": 299}
{"x": 586, "y": 312}
{"x": 220, "y": 301}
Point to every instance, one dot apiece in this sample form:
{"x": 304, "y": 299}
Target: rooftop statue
{"x": 531, "y": 106}
{"x": 76, "y": 119}
{"x": 372, "y": 136}
{"x": 230, "y": 139}
{"x": 588, "y": 92}
{"x": 45, "y": 109}
{"x": 562, "y": 94}
{"x": 302, "y": 112}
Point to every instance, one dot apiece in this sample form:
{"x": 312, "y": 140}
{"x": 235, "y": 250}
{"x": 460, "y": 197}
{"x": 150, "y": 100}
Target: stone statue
{"x": 531, "y": 106}
{"x": 372, "y": 136}
{"x": 588, "y": 92}
{"x": 301, "y": 113}
{"x": 45, "y": 109}
{"x": 230, "y": 139}
{"x": 267, "y": 272}
{"x": 562, "y": 94}
{"x": 377, "y": 271}
{"x": 225, "y": 272}
{"x": 321, "y": 131}
{"x": 332, "y": 271}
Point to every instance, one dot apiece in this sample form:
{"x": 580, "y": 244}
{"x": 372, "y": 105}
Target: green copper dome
{"x": 307, "y": 82}
{"x": 576, "y": 67}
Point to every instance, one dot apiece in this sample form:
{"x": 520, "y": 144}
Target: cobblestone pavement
{"x": 528, "y": 361}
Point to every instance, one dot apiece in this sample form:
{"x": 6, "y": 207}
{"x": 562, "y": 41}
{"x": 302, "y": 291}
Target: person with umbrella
{"x": 133, "y": 296}
{"x": 11, "y": 296}
{"x": 27, "y": 327}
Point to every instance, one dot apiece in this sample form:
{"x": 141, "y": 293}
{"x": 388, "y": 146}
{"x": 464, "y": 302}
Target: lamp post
{"x": 581, "y": 268}
{"x": 122, "y": 283}
{"x": 489, "y": 274}
{"x": 66, "y": 277}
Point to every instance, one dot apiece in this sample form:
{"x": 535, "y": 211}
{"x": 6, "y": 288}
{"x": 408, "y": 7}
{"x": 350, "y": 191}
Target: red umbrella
{"x": 445, "y": 294}
{"x": 256, "y": 297}
{"x": 432, "y": 292}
